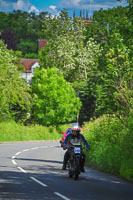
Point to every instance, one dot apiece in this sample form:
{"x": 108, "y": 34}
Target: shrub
{"x": 111, "y": 144}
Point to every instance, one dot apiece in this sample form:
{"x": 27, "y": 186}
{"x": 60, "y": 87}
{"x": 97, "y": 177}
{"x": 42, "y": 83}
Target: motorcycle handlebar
{"x": 72, "y": 146}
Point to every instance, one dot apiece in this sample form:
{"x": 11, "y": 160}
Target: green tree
{"x": 115, "y": 93}
{"x": 14, "y": 93}
{"x": 54, "y": 100}
{"x": 26, "y": 26}
{"x": 76, "y": 60}
{"x": 31, "y": 55}
{"x": 27, "y": 46}
{"x": 107, "y": 22}
{"x": 54, "y": 27}
{"x": 3, "y": 21}
{"x": 112, "y": 29}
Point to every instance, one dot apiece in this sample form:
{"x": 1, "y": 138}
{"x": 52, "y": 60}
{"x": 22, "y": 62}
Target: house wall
{"x": 28, "y": 75}
{"x": 34, "y": 66}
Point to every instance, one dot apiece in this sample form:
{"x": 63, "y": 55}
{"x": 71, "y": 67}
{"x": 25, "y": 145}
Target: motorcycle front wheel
{"x": 77, "y": 169}
{"x": 70, "y": 174}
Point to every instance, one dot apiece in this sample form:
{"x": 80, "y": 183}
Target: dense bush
{"x": 111, "y": 143}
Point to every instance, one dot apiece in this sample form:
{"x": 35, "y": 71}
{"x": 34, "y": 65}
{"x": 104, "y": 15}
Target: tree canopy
{"x": 95, "y": 59}
{"x": 54, "y": 100}
{"x": 115, "y": 93}
{"x": 14, "y": 93}
{"x": 26, "y": 27}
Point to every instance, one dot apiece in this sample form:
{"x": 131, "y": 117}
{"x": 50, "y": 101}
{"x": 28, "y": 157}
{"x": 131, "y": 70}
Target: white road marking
{"x": 35, "y": 148}
{"x": 41, "y": 183}
{"x": 34, "y": 179}
{"x": 18, "y": 153}
{"x": 62, "y": 196}
{"x": 22, "y": 170}
{"x": 13, "y": 161}
{"x": 115, "y": 182}
{"x": 103, "y": 179}
{"x": 13, "y": 157}
{"x": 25, "y": 150}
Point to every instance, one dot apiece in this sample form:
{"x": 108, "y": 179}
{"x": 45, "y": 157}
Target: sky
{"x": 55, "y": 6}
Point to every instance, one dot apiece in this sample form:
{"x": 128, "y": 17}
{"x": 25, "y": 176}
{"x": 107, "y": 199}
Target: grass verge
{"x": 11, "y": 131}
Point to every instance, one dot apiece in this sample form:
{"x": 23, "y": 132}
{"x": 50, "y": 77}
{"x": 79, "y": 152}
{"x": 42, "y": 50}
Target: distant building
{"x": 30, "y": 64}
{"x": 87, "y": 20}
{"x": 84, "y": 15}
{"x": 29, "y": 67}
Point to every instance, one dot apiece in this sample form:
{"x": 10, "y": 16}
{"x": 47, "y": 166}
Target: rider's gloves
{"x": 64, "y": 148}
{"x": 87, "y": 148}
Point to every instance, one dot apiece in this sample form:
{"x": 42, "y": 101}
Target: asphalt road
{"x": 32, "y": 170}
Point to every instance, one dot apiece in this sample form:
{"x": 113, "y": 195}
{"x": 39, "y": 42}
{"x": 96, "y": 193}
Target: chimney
{"x": 41, "y": 44}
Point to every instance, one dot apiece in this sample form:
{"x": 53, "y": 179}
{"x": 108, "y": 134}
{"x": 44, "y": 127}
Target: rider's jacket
{"x": 72, "y": 138}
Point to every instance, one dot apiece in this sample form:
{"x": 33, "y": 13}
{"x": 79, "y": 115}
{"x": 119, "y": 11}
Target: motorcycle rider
{"x": 74, "y": 136}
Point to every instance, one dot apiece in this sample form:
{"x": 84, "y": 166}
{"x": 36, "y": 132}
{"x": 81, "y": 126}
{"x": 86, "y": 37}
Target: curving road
{"x": 32, "y": 170}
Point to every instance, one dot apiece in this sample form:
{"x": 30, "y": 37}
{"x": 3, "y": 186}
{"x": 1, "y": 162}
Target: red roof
{"x": 41, "y": 44}
{"x": 28, "y": 63}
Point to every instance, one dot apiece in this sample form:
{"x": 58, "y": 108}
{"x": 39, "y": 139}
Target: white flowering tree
{"x": 68, "y": 52}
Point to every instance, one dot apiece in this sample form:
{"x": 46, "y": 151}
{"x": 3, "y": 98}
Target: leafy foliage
{"x": 70, "y": 56}
{"x": 112, "y": 29}
{"x": 54, "y": 100}
{"x": 56, "y": 26}
{"x": 31, "y": 55}
{"x": 107, "y": 22}
{"x": 66, "y": 51}
{"x": 27, "y": 27}
{"x": 111, "y": 145}
{"x": 27, "y": 46}
{"x": 14, "y": 93}
{"x": 115, "y": 94}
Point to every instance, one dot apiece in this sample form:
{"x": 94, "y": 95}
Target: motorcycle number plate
{"x": 77, "y": 149}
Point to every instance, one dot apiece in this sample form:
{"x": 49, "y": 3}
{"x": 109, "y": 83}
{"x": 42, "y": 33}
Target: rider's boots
{"x": 64, "y": 167}
{"x": 82, "y": 169}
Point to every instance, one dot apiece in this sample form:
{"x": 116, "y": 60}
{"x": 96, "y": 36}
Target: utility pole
{"x": 78, "y": 92}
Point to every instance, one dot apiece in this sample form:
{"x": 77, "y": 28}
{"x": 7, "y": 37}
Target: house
{"x": 29, "y": 67}
{"x": 31, "y": 64}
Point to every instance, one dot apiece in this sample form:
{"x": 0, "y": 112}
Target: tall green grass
{"x": 11, "y": 131}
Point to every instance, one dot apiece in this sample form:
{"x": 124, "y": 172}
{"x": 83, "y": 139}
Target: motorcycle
{"x": 74, "y": 163}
